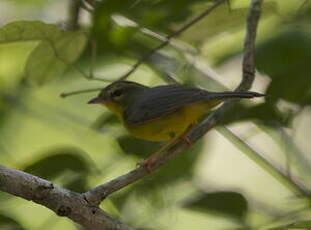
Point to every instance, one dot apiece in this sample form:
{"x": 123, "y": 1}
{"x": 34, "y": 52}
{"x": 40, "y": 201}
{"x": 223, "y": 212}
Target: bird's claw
{"x": 186, "y": 140}
{"x": 147, "y": 164}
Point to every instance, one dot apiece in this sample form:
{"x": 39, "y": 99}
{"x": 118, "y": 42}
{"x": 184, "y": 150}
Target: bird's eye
{"x": 117, "y": 93}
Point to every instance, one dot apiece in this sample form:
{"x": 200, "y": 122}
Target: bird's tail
{"x": 228, "y": 95}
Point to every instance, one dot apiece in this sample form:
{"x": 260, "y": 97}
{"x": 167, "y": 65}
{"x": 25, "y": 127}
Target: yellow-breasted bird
{"x": 161, "y": 113}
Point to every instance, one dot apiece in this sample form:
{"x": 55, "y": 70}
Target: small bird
{"x": 162, "y": 113}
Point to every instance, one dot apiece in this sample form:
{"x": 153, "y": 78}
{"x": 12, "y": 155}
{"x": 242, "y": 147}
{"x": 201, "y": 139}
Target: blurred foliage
{"x": 55, "y": 51}
{"x": 140, "y": 148}
{"x": 58, "y": 162}
{"x": 96, "y": 148}
{"x": 233, "y": 20}
{"x": 162, "y": 15}
{"x": 265, "y": 113}
{"x": 284, "y": 57}
{"x": 231, "y": 204}
{"x": 9, "y": 223}
{"x": 289, "y": 53}
{"x": 305, "y": 225}
{"x": 170, "y": 175}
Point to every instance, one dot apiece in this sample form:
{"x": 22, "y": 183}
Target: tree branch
{"x": 169, "y": 37}
{"x": 248, "y": 66}
{"x": 73, "y": 14}
{"x": 62, "y": 201}
{"x": 99, "y": 193}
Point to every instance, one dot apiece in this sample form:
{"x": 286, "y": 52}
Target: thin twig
{"x": 63, "y": 95}
{"x": 73, "y": 14}
{"x": 270, "y": 167}
{"x": 177, "y": 44}
{"x": 90, "y": 2}
{"x": 71, "y": 65}
{"x": 248, "y": 66}
{"x": 302, "y": 5}
{"x": 229, "y": 5}
{"x": 169, "y": 37}
{"x": 91, "y": 75}
{"x": 86, "y": 7}
{"x": 97, "y": 194}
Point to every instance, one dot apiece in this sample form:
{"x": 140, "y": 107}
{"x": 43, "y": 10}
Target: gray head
{"x": 119, "y": 92}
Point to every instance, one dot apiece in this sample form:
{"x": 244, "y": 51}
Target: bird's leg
{"x": 148, "y": 163}
{"x": 185, "y": 137}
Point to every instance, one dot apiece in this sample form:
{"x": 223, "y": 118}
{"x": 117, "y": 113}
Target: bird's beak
{"x": 95, "y": 100}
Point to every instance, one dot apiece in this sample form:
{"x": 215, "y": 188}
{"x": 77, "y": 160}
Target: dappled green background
{"x": 212, "y": 186}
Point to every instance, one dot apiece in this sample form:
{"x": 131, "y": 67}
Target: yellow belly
{"x": 169, "y": 126}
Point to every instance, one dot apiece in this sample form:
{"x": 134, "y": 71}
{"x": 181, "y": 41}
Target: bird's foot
{"x": 148, "y": 164}
{"x": 186, "y": 139}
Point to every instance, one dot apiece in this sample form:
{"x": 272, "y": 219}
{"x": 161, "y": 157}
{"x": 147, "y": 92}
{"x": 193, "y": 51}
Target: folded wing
{"x": 162, "y": 100}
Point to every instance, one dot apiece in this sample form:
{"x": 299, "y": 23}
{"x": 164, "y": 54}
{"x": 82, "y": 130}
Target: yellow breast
{"x": 168, "y": 126}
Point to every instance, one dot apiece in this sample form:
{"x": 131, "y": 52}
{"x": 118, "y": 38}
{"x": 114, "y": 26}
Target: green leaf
{"x": 306, "y": 225}
{"x": 230, "y": 204}
{"x": 60, "y": 161}
{"x": 155, "y": 15}
{"x": 288, "y": 65}
{"x": 42, "y": 65}
{"x": 160, "y": 13}
{"x": 56, "y": 50}
{"x": 222, "y": 19}
{"x": 9, "y": 223}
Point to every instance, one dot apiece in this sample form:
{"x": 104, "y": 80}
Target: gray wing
{"x": 162, "y": 100}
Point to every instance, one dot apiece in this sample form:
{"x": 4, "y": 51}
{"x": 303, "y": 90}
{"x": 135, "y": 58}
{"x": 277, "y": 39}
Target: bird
{"x": 162, "y": 113}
